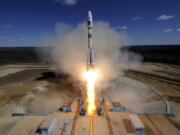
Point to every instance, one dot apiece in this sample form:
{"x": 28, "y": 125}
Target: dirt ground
{"x": 164, "y": 70}
{"x": 32, "y": 88}
{"x": 158, "y": 125}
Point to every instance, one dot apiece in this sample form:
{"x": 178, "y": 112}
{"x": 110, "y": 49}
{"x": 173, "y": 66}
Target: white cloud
{"x": 10, "y": 40}
{"x": 122, "y": 27}
{"x": 2, "y": 37}
{"x": 165, "y": 17}
{"x": 168, "y": 30}
{"x": 178, "y": 29}
{"x": 136, "y": 18}
{"x": 22, "y": 35}
{"x": 8, "y": 26}
{"x": 67, "y": 2}
{"x": 176, "y": 37}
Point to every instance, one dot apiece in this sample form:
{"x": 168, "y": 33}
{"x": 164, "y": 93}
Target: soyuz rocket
{"x": 90, "y": 54}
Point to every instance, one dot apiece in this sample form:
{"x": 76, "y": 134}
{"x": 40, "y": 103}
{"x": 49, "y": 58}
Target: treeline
{"x": 12, "y": 55}
{"x": 158, "y": 53}
{"x": 150, "y": 53}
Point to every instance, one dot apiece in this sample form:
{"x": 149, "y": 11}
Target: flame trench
{"x": 91, "y": 77}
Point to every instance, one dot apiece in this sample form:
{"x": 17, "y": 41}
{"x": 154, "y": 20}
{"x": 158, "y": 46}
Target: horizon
{"x": 122, "y": 46}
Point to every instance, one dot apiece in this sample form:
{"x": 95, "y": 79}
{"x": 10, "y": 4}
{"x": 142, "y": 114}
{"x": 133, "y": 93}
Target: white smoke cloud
{"x": 165, "y": 17}
{"x": 69, "y": 55}
{"x": 62, "y": 29}
{"x": 68, "y": 2}
{"x": 69, "y": 51}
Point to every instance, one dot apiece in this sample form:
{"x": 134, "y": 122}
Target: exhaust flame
{"x": 91, "y": 77}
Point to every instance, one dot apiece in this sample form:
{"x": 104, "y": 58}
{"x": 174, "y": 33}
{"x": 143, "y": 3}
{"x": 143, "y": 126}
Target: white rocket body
{"x": 90, "y": 56}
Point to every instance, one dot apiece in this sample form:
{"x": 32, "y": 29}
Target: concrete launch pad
{"x": 28, "y": 125}
{"x": 117, "y": 123}
{"x": 100, "y": 126}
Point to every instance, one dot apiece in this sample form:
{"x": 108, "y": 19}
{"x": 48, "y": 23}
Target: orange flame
{"x": 91, "y": 77}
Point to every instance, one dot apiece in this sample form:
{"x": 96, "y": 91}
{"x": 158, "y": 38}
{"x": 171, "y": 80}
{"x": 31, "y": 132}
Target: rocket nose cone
{"x": 89, "y": 13}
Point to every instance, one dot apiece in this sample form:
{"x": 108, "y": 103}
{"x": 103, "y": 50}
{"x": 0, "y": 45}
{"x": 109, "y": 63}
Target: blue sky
{"x": 26, "y": 22}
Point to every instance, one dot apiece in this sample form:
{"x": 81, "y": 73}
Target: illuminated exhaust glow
{"x": 91, "y": 77}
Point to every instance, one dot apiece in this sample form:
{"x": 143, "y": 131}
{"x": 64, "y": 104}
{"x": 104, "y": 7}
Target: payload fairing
{"x": 90, "y": 55}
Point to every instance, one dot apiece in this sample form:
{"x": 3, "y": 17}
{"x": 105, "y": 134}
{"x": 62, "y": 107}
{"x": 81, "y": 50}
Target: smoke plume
{"x": 69, "y": 51}
{"x": 69, "y": 54}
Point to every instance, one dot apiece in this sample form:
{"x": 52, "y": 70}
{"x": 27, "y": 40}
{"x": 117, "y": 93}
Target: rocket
{"x": 90, "y": 54}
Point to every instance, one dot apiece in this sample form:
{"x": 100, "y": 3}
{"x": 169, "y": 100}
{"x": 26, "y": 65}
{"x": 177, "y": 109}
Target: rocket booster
{"x": 90, "y": 55}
